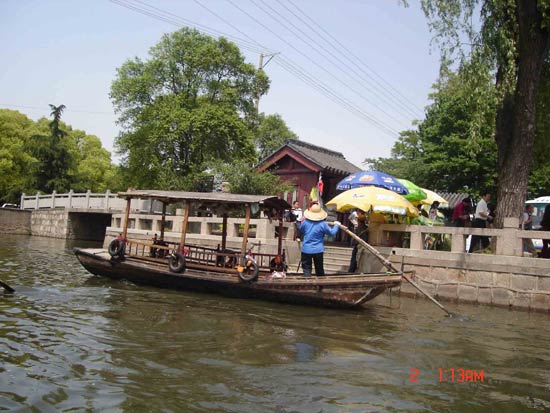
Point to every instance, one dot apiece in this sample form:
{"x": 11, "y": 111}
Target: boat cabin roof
{"x": 171, "y": 197}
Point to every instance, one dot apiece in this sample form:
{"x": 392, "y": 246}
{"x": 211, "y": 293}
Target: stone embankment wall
{"x": 15, "y": 221}
{"x": 504, "y": 281}
{"x": 67, "y": 224}
{"x": 52, "y": 223}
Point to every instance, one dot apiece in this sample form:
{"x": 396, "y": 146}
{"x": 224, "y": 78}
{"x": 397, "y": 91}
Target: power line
{"x": 343, "y": 47}
{"x": 178, "y": 21}
{"x": 338, "y": 63}
{"x": 253, "y": 45}
{"x": 387, "y": 96}
{"x": 334, "y": 97}
{"x": 290, "y": 45}
{"x": 302, "y": 75}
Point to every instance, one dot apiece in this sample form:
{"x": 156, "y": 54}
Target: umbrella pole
{"x": 390, "y": 266}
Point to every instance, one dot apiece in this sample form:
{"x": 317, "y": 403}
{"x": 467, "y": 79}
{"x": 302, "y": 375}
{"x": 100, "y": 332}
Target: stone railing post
{"x": 107, "y": 198}
{"x": 22, "y": 201}
{"x": 375, "y": 234}
{"x": 205, "y": 226}
{"x": 232, "y": 227}
{"x": 458, "y": 242}
{"x": 53, "y": 198}
{"x": 509, "y": 243}
{"x": 262, "y": 228}
{"x": 88, "y": 192}
{"x": 37, "y": 205}
{"x": 417, "y": 240}
{"x": 70, "y": 199}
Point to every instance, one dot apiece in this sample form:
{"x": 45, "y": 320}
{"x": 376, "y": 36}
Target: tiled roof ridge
{"x": 313, "y": 147}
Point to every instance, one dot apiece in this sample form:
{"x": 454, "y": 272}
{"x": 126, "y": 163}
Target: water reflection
{"x": 70, "y": 341}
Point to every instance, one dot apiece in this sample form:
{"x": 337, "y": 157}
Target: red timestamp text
{"x": 461, "y": 375}
{"x": 453, "y": 375}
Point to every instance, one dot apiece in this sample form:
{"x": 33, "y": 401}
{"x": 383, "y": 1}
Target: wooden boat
{"x": 221, "y": 270}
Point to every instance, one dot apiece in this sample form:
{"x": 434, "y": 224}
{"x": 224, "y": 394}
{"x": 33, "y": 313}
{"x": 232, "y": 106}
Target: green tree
{"x": 453, "y": 148}
{"x": 539, "y": 181}
{"x": 15, "y": 161}
{"x": 94, "y": 170}
{"x": 513, "y": 43}
{"x": 189, "y": 104}
{"x": 243, "y": 179}
{"x": 271, "y": 134}
{"x": 29, "y": 152}
{"x": 55, "y": 165}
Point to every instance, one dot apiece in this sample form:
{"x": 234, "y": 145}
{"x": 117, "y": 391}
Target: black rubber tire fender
{"x": 116, "y": 248}
{"x": 250, "y": 271}
{"x": 176, "y": 262}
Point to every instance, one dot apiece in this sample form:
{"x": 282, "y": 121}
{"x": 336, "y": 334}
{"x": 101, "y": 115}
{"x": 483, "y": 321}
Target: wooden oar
{"x": 7, "y": 287}
{"x": 390, "y": 266}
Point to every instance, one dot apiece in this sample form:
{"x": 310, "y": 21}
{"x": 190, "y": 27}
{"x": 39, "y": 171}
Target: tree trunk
{"x": 515, "y": 149}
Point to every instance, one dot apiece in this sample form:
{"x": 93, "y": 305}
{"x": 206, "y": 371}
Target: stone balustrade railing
{"x": 506, "y": 241}
{"x": 261, "y": 228}
{"x": 73, "y": 200}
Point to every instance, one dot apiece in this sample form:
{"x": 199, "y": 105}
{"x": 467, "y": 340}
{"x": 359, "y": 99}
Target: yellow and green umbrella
{"x": 432, "y": 196}
{"x": 415, "y": 194}
{"x": 375, "y": 199}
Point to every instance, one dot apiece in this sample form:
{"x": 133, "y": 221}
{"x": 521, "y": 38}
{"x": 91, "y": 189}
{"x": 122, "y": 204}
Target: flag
{"x": 313, "y": 194}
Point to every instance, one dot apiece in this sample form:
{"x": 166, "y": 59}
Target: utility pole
{"x": 261, "y": 66}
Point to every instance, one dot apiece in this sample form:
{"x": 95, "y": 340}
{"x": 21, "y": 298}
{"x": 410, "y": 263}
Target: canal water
{"x": 73, "y": 342}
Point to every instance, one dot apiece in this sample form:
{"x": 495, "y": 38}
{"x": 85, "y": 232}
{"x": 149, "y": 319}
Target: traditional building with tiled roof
{"x": 300, "y": 164}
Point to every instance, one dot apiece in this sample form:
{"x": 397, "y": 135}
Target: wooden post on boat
{"x": 187, "y": 206}
{"x": 280, "y": 240}
{"x": 390, "y": 266}
{"x": 126, "y": 218}
{"x": 163, "y": 221}
{"x": 224, "y": 231}
{"x": 245, "y": 231}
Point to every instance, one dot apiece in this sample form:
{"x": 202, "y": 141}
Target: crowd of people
{"x": 311, "y": 228}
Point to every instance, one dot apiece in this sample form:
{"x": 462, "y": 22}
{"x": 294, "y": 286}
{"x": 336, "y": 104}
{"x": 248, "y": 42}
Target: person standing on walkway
{"x": 545, "y": 226}
{"x": 433, "y": 210}
{"x": 352, "y": 224}
{"x": 297, "y": 211}
{"x": 313, "y": 230}
{"x": 461, "y": 212}
{"x": 480, "y": 221}
{"x": 527, "y": 225}
{"x": 362, "y": 231}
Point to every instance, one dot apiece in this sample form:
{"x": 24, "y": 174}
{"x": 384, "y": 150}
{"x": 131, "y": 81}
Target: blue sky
{"x": 371, "y": 58}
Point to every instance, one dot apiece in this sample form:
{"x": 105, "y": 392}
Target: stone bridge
{"x": 70, "y": 215}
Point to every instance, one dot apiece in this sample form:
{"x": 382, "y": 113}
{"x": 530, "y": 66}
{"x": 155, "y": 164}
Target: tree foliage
{"x": 50, "y": 155}
{"x": 428, "y": 157}
{"x": 15, "y": 161}
{"x": 453, "y": 148}
{"x": 189, "y": 104}
{"x": 52, "y": 150}
{"x": 512, "y": 43}
{"x": 271, "y": 134}
{"x": 243, "y": 179}
{"x": 539, "y": 181}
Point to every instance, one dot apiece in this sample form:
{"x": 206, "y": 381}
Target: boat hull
{"x": 343, "y": 291}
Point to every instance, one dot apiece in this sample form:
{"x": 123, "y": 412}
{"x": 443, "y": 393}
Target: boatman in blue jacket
{"x": 313, "y": 230}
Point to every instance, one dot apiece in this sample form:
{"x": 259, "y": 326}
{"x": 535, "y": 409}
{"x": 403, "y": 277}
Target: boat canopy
{"x": 211, "y": 198}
